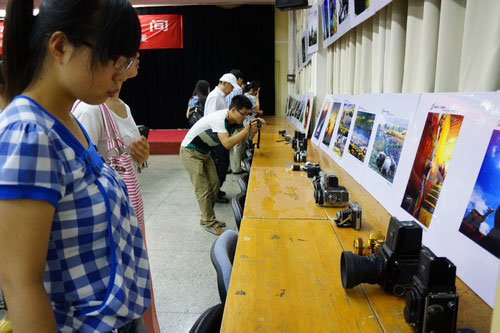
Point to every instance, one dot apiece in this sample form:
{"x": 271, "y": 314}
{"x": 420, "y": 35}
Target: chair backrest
{"x": 222, "y": 255}
{"x": 247, "y": 163}
{"x": 210, "y": 321}
{"x": 238, "y": 206}
{"x": 243, "y": 182}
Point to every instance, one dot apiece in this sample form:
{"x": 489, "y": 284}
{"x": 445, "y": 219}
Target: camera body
{"x": 392, "y": 266}
{"x": 349, "y": 218}
{"x": 312, "y": 169}
{"x": 300, "y": 156}
{"x": 328, "y": 192}
{"x": 299, "y": 141}
{"x": 282, "y": 133}
{"x": 432, "y": 301}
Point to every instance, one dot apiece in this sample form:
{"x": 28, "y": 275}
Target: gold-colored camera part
{"x": 364, "y": 247}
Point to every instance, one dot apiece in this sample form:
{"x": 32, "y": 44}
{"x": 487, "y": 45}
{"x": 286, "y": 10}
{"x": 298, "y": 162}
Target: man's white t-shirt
{"x": 216, "y": 101}
{"x": 203, "y": 134}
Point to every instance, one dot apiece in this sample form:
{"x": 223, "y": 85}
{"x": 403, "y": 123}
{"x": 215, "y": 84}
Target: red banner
{"x": 161, "y": 31}
{"x": 1, "y": 37}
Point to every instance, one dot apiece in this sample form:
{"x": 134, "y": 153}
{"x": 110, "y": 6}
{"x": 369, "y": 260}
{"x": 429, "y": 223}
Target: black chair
{"x": 222, "y": 255}
{"x": 238, "y": 205}
{"x": 247, "y": 164}
{"x": 209, "y": 321}
{"x": 249, "y": 153}
{"x": 243, "y": 182}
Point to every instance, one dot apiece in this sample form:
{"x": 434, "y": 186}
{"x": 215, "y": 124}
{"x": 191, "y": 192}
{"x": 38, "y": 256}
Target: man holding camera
{"x": 210, "y": 131}
{"x": 216, "y": 100}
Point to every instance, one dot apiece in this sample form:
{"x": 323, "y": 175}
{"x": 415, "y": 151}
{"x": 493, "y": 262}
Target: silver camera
{"x": 328, "y": 192}
{"x": 349, "y": 218}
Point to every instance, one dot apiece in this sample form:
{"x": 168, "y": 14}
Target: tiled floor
{"x": 184, "y": 278}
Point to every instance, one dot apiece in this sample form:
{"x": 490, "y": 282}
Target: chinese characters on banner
{"x": 161, "y": 31}
{"x": 1, "y": 37}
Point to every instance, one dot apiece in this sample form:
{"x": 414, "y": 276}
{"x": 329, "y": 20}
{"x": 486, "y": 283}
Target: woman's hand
{"x": 139, "y": 150}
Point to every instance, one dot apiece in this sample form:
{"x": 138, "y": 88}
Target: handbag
{"x": 120, "y": 160}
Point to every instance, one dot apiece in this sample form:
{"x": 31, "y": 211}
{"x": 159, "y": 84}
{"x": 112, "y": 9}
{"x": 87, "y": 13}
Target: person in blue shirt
{"x": 73, "y": 257}
{"x": 197, "y": 101}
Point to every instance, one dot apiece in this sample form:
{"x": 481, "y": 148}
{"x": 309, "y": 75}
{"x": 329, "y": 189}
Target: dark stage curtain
{"x": 216, "y": 40}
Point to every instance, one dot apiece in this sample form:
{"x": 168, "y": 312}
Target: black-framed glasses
{"x": 243, "y": 114}
{"x": 120, "y": 63}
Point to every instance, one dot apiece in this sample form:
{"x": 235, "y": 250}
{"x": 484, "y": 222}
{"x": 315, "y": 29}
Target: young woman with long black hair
{"x": 73, "y": 258}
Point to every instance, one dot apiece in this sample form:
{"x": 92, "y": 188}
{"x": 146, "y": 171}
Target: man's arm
{"x": 230, "y": 141}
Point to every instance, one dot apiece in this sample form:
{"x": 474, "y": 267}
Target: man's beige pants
{"x": 203, "y": 175}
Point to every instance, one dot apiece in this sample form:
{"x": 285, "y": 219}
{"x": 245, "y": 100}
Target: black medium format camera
{"x": 394, "y": 264}
{"x": 300, "y": 156}
{"x": 432, "y": 301}
{"x": 349, "y": 218}
{"x": 328, "y": 192}
{"x": 299, "y": 141}
{"x": 312, "y": 169}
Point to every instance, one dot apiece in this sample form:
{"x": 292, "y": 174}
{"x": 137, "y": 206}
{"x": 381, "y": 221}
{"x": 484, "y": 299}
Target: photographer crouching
{"x": 210, "y": 131}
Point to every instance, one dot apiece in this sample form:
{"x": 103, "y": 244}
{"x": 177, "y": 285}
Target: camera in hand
{"x": 364, "y": 247}
{"x": 300, "y": 156}
{"x": 432, "y": 301}
{"x": 392, "y": 266}
{"x": 349, "y": 218}
{"x": 312, "y": 169}
{"x": 328, "y": 192}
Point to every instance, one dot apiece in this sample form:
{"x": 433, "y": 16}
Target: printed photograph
{"x": 325, "y": 19}
{"x": 306, "y": 113}
{"x": 313, "y": 26}
{"x": 343, "y": 10}
{"x": 322, "y": 118}
{"x": 389, "y": 139}
{"x": 304, "y": 49}
{"x": 331, "y": 124}
{"x": 361, "y": 135}
{"x": 332, "y": 26}
{"x": 481, "y": 222}
{"x": 300, "y": 112}
{"x": 430, "y": 167}
{"x": 343, "y": 131}
{"x": 290, "y": 107}
{"x": 360, "y": 6}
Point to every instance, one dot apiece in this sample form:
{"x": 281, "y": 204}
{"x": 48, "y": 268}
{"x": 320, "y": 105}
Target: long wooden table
{"x": 286, "y": 271}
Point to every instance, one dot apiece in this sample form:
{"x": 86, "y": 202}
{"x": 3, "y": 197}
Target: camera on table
{"x": 393, "y": 265}
{"x": 432, "y": 301}
{"x": 349, "y": 218}
{"x": 364, "y": 247}
{"x": 300, "y": 156}
{"x": 282, "y": 133}
{"x": 312, "y": 169}
{"x": 328, "y": 192}
{"x": 299, "y": 141}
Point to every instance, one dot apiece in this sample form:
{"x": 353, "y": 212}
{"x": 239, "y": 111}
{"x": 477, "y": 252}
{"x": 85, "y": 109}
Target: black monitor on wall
{"x": 291, "y": 4}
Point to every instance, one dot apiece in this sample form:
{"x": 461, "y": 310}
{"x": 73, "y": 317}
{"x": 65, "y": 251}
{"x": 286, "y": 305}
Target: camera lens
{"x": 356, "y": 269}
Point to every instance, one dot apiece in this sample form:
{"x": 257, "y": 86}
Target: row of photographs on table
{"x": 433, "y": 158}
{"x": 299, "y": 110}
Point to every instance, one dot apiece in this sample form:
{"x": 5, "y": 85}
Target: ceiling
{"x": 3, "y": 3}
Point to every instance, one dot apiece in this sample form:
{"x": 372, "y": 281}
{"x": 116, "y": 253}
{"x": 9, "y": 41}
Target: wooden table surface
{"x": 286, "y": 271}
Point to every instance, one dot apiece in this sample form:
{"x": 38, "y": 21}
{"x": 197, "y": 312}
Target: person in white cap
{"x": 216, "y": 100}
